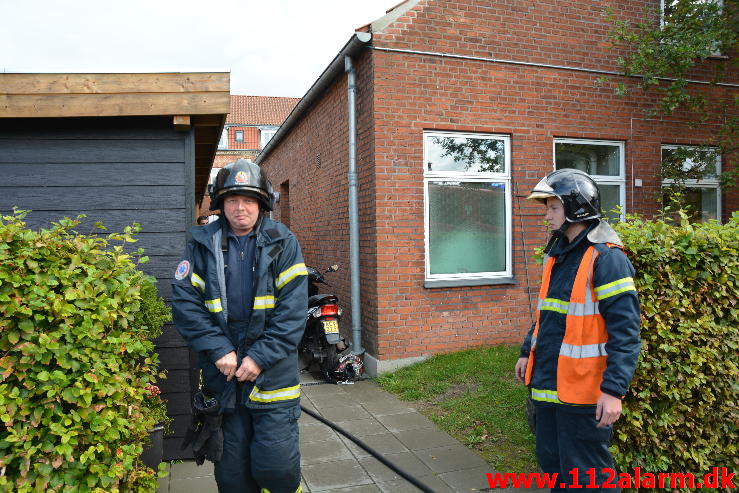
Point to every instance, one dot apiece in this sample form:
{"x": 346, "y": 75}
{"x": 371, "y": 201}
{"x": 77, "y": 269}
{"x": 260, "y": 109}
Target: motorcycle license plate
{"x": 331, "y": 326}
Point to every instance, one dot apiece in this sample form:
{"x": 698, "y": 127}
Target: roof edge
{"x": 392, "y": 15}
{"x": 355, "y": 44}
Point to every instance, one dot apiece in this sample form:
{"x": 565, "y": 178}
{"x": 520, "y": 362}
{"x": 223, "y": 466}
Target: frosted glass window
{"x": 468, "y": 212}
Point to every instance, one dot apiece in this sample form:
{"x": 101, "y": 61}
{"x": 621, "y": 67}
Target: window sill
{"x": 453, "y": 283}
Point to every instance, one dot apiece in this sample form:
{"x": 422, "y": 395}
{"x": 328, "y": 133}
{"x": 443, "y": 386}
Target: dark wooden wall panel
{"x": 151, "y": 221}
{"x": 90, "y": 151}
{"x": 100, "y": 198}
{"x": 116, "y": 171}
{"x": 94, "y": 174}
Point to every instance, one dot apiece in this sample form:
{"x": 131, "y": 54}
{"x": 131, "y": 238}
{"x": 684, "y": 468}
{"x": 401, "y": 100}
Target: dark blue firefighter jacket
{"x": 277, "y": 320}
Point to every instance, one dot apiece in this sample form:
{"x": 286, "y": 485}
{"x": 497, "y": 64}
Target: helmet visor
{"x": 541, "y": 191}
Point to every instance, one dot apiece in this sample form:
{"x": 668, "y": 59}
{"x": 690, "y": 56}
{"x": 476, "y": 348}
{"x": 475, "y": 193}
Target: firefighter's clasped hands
{"x": 248, "y": 371}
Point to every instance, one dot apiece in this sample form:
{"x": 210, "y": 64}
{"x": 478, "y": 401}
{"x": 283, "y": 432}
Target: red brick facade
{"x": 401, "y": 94}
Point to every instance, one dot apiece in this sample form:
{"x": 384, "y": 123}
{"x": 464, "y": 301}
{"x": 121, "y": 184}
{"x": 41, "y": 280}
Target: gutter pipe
{"x": 353, "y": 207}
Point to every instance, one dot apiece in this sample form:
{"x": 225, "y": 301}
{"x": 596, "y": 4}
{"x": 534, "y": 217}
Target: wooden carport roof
{"x": 198, "y": 100}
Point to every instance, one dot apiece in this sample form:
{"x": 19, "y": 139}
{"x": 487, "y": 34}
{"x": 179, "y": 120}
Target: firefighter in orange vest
{"x": 580, "y": 354}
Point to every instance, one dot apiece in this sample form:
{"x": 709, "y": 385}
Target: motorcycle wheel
{"x": 330, "y": 362}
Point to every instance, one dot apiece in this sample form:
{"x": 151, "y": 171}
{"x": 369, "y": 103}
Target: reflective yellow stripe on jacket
{"x": 290, "y": 274}
{"x": 214, "y": 305}
{"x": 198, "y": 282}
{"x": 614, "y": 288}
{"x": 262, "y": 302}
{"x": 267, "y": 396}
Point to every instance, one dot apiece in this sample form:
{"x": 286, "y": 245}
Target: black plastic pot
{"x": 152, "y": 454}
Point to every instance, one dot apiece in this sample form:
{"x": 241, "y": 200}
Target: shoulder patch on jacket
{"x": 183, "y": 269}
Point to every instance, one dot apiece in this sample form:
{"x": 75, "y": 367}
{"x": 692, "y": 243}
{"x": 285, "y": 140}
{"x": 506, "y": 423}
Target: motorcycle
{"x": 322, "y": 342}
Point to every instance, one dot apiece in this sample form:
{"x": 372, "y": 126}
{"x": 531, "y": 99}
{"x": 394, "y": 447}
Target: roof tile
{"x": 260, "y": 110}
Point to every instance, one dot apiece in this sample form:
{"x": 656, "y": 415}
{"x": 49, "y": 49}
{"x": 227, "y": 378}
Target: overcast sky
{"x": 271, "y": 47}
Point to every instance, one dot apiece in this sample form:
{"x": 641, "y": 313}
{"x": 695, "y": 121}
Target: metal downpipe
{"x": 354, "y": 209}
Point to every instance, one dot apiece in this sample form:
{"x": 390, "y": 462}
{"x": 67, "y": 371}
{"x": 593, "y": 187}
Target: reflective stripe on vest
{"x": 554, "y": 305}
{"x": 586, "y": 351}
{"x": 545, "y": 395}
{"x": 198, "y": 282}
{"x": 214, "y": 305}
{"x": 290, "y": 274}
{"x": 285, "y": 394}
{"x": 582, "y": 356}
{"x": 262, "y": 302}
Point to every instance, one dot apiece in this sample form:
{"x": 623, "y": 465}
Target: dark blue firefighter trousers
{"x": 260, "y": 451}
{"x": 567, "y": 439}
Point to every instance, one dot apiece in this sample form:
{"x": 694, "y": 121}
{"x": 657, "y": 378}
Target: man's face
{"x": 241, "y": 212}
{"x": 555, "y": 215}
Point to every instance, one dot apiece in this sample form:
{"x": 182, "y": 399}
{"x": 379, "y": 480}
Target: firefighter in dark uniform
{"x": 580, "y": 354}
{"x": 239, "y": 300}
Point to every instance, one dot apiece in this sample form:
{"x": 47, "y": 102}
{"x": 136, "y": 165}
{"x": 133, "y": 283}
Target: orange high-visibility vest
{"x": 582, "y": 357}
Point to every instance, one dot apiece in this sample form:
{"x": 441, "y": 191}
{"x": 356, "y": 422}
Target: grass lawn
{"x": 473, "y": 396}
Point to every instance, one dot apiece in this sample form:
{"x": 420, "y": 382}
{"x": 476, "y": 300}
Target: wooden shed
{"x": 120, "y": 148}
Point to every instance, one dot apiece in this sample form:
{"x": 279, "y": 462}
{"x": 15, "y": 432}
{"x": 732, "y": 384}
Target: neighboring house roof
{"x": 260, "y": 110}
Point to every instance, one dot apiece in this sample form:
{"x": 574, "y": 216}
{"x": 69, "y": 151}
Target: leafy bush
{"x": 76, "y": 358}
{"x": 681, "y": 413}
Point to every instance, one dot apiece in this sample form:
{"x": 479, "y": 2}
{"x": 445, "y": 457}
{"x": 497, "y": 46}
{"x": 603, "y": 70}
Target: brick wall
{"x": 403, "y": 94}
{"x": 251, "y": 138}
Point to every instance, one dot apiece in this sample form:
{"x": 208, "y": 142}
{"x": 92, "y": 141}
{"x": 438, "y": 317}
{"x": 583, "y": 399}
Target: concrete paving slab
{"x": 193, "y": 485}
{"x": 406, "y": 461}
{"x": 425, "y": 438}
{"x": 344, "y": 412}
{"x": 315, "y": 432}
{"x": 366, "y": 488}
{"x": 333, "y": 475}
{"x": 324, "y": 451}
{"x": 466, "y": 480}
{"x": 402, "y": 486}
{"x": 189, "y": 469}
{"x": 305, "y": 402}
{"x": 365, "y": 391}
{"x": 383, "y": 444}
{"x": 405, "y": 421}
{"x": 363, "y": 427}
{"x": 327, "y": 400}
{"x": 452, "y": 458}
{"x": 383, "y": 407}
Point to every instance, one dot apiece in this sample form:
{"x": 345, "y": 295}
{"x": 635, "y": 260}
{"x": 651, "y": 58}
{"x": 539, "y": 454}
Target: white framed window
{"x": 265, "y": 135}
{"x": 701, "y": 195}
{"x": 604, "y": 161}
{"x": 239, "y": 136}
{"x": 467, "y": 208}
{"x": 223, "y": 143}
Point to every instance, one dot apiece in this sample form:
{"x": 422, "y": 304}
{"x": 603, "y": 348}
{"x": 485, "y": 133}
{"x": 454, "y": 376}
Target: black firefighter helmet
{"x": 242, "y": 177}
{"x": 577, "y": 191}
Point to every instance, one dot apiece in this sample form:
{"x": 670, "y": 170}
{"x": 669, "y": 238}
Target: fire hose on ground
{"x": 415, "y": 482}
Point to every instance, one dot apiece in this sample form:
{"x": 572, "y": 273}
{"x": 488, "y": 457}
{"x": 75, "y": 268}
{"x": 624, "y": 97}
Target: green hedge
{"x": 76, "y": 358}
{"x": 681, "y": 412}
